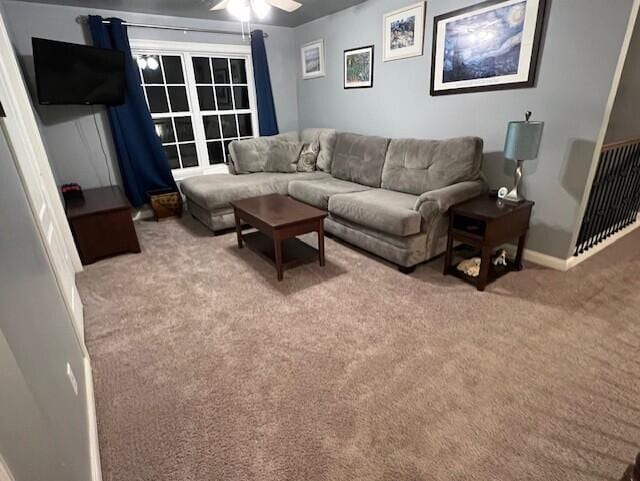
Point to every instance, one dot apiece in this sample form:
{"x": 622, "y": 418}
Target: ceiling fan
{"x": 242, "y": 9}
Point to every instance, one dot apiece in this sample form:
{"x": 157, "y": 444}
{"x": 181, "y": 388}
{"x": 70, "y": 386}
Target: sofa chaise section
{"x": 209, "y": 196}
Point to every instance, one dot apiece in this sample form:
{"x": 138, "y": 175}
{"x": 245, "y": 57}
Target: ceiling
{"x": 310, "y": 10}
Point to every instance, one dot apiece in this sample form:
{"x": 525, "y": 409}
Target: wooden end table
{"x": 279, "y": 220}
{"x": 486, "y": 223}
{"x": 101, "y": 224}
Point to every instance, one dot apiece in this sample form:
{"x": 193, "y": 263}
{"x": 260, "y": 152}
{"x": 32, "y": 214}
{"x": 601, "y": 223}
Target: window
{"x": 201, "y": 98}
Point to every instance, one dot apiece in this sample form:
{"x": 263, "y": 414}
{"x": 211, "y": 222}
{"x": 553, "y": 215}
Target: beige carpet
{"x": 206, "y": 368}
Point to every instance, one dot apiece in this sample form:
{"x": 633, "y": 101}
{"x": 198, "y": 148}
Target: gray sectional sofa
{"x": 387, "y": 196}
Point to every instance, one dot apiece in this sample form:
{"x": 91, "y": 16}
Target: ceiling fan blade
{"x": 286, "y": 5}
{"x": 221, "y": 5}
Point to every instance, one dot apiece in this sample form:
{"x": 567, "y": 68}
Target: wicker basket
{"x": 165, "y": 203}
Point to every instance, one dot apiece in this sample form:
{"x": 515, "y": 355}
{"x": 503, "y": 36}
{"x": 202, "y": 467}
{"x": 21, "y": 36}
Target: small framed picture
{"x": 358, "y": 68}
{"x": 403, "y": 32}
{"x": 492, "y": 45}
{"x": 312, "y": 55}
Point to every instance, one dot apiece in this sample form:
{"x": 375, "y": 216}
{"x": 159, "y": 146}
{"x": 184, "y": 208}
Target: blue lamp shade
{"x": 523, "y": 140}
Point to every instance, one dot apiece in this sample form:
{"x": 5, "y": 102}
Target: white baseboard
{"x": 545, "y": 260}
{"x": 94, "y": 447}
{"x": 565, "y": 264}
{"x": 142, "y": 213}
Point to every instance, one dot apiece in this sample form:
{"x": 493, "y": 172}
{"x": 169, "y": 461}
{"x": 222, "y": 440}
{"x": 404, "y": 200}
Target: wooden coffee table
{"x": 279, "y": 220}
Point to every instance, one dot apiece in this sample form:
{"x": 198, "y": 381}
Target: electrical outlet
{"x": 72, "y": 379}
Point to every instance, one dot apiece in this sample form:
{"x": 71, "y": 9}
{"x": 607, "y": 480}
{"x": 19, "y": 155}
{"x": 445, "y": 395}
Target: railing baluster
{"x": 628, "y": 188}
{"x": 614, "y": 200}
{"x": 588, "y": 213}
{"x": 634, "y": 204}
{"x": 603, "y": 206}
{"x": 597, "y": 203}
{"x": 616, "y": 194}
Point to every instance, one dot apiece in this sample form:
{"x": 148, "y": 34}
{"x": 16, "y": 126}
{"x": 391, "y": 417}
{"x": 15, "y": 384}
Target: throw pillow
{"x": 283, "y": 157}
{"x": 309, "y": 157}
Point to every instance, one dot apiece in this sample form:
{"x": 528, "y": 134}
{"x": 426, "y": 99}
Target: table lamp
{"x": 522, "y": 143}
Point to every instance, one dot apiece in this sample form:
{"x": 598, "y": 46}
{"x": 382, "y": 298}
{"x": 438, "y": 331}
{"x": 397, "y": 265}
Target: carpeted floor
{"x": 206, "y": 368}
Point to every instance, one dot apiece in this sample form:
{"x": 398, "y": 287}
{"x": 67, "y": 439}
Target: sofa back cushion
{"x": 327, "y": 140}
{"x": 249, "y": 156}
{"x": 283, "y": 157}
{"x": 359, "y": 158}
{"x": 416, "y": 166}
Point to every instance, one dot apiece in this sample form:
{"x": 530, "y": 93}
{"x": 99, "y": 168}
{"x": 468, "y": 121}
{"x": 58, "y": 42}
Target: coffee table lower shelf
{"x": 294, "y": 251}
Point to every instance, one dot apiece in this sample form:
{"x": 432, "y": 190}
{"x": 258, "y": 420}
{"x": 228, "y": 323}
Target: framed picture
{"x": 403, "y": 32}
{"x": 313, "y": 59}
{"x": 489, "y": 46}
{"x": 358, "y": 68}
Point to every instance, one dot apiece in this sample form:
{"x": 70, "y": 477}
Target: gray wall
{"x": 625, "y": 117}
{"x": 69, "y": 132}
{"x": 44, "y": 431}
{"x": 580, "y": 52}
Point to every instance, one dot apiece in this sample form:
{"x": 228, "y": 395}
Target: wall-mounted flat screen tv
{"x": 67, "y": 73}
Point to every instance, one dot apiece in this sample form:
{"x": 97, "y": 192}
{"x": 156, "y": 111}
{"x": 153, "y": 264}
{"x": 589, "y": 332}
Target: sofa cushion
{"x": 318, "y": 192}
{"x": 217, "y": 190}
{"x": 379, "y": 209}
{"x": 327, "y": 140}
{"x": 416, "y": 166}
{"x": 249, "y": 155}
{"x": 283, "y": 157}
{"x": 359, "y": 158}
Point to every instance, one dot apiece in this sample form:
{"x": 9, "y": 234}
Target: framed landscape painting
{"x": 403, "y": 32}
{"x": 313, "y": 60}
{"x": 489, "y": 46}
{"x": 358, "y": 68}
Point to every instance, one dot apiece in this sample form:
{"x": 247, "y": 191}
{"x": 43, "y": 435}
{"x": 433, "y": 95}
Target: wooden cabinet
{"x": 101, "y": 224}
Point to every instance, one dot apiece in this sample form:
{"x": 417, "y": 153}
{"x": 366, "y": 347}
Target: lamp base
{"x": 514, "y": 196}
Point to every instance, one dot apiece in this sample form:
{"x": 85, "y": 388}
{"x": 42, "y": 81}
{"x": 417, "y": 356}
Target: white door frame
{"x": 17, "y": 103}
{"x": 32, "y": 163}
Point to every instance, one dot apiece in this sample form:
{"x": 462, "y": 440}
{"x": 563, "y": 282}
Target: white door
{"x": 23, "y": 135}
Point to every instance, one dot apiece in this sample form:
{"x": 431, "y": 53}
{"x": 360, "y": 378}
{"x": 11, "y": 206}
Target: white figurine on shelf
{"x": 470, "y": 267}
{"x": 501, "y": 258}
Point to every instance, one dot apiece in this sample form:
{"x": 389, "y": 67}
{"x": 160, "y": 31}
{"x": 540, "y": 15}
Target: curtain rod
{"x": 83, "y": 20}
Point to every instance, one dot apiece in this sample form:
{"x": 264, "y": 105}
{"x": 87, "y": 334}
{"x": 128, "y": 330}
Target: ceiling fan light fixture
{"x": 261, "y": 8}
{"x": 240, "y": 9}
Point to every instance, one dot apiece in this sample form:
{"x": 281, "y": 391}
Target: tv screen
{"x": 67, "y": 73}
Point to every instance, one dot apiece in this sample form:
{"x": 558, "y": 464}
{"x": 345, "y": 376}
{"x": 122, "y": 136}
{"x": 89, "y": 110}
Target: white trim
{"x": 209, "y": 48}
{"x": 5, "y": 472}
{"x": 417, "y": 49}
{"x": 94, "y": 446}
{"x": 555, "y": 263}
{"x": 179, "y": 175}
{"x": 308, "y": 46}
{"x": 564, "y": 265}
{"x": 615, "y": 84}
